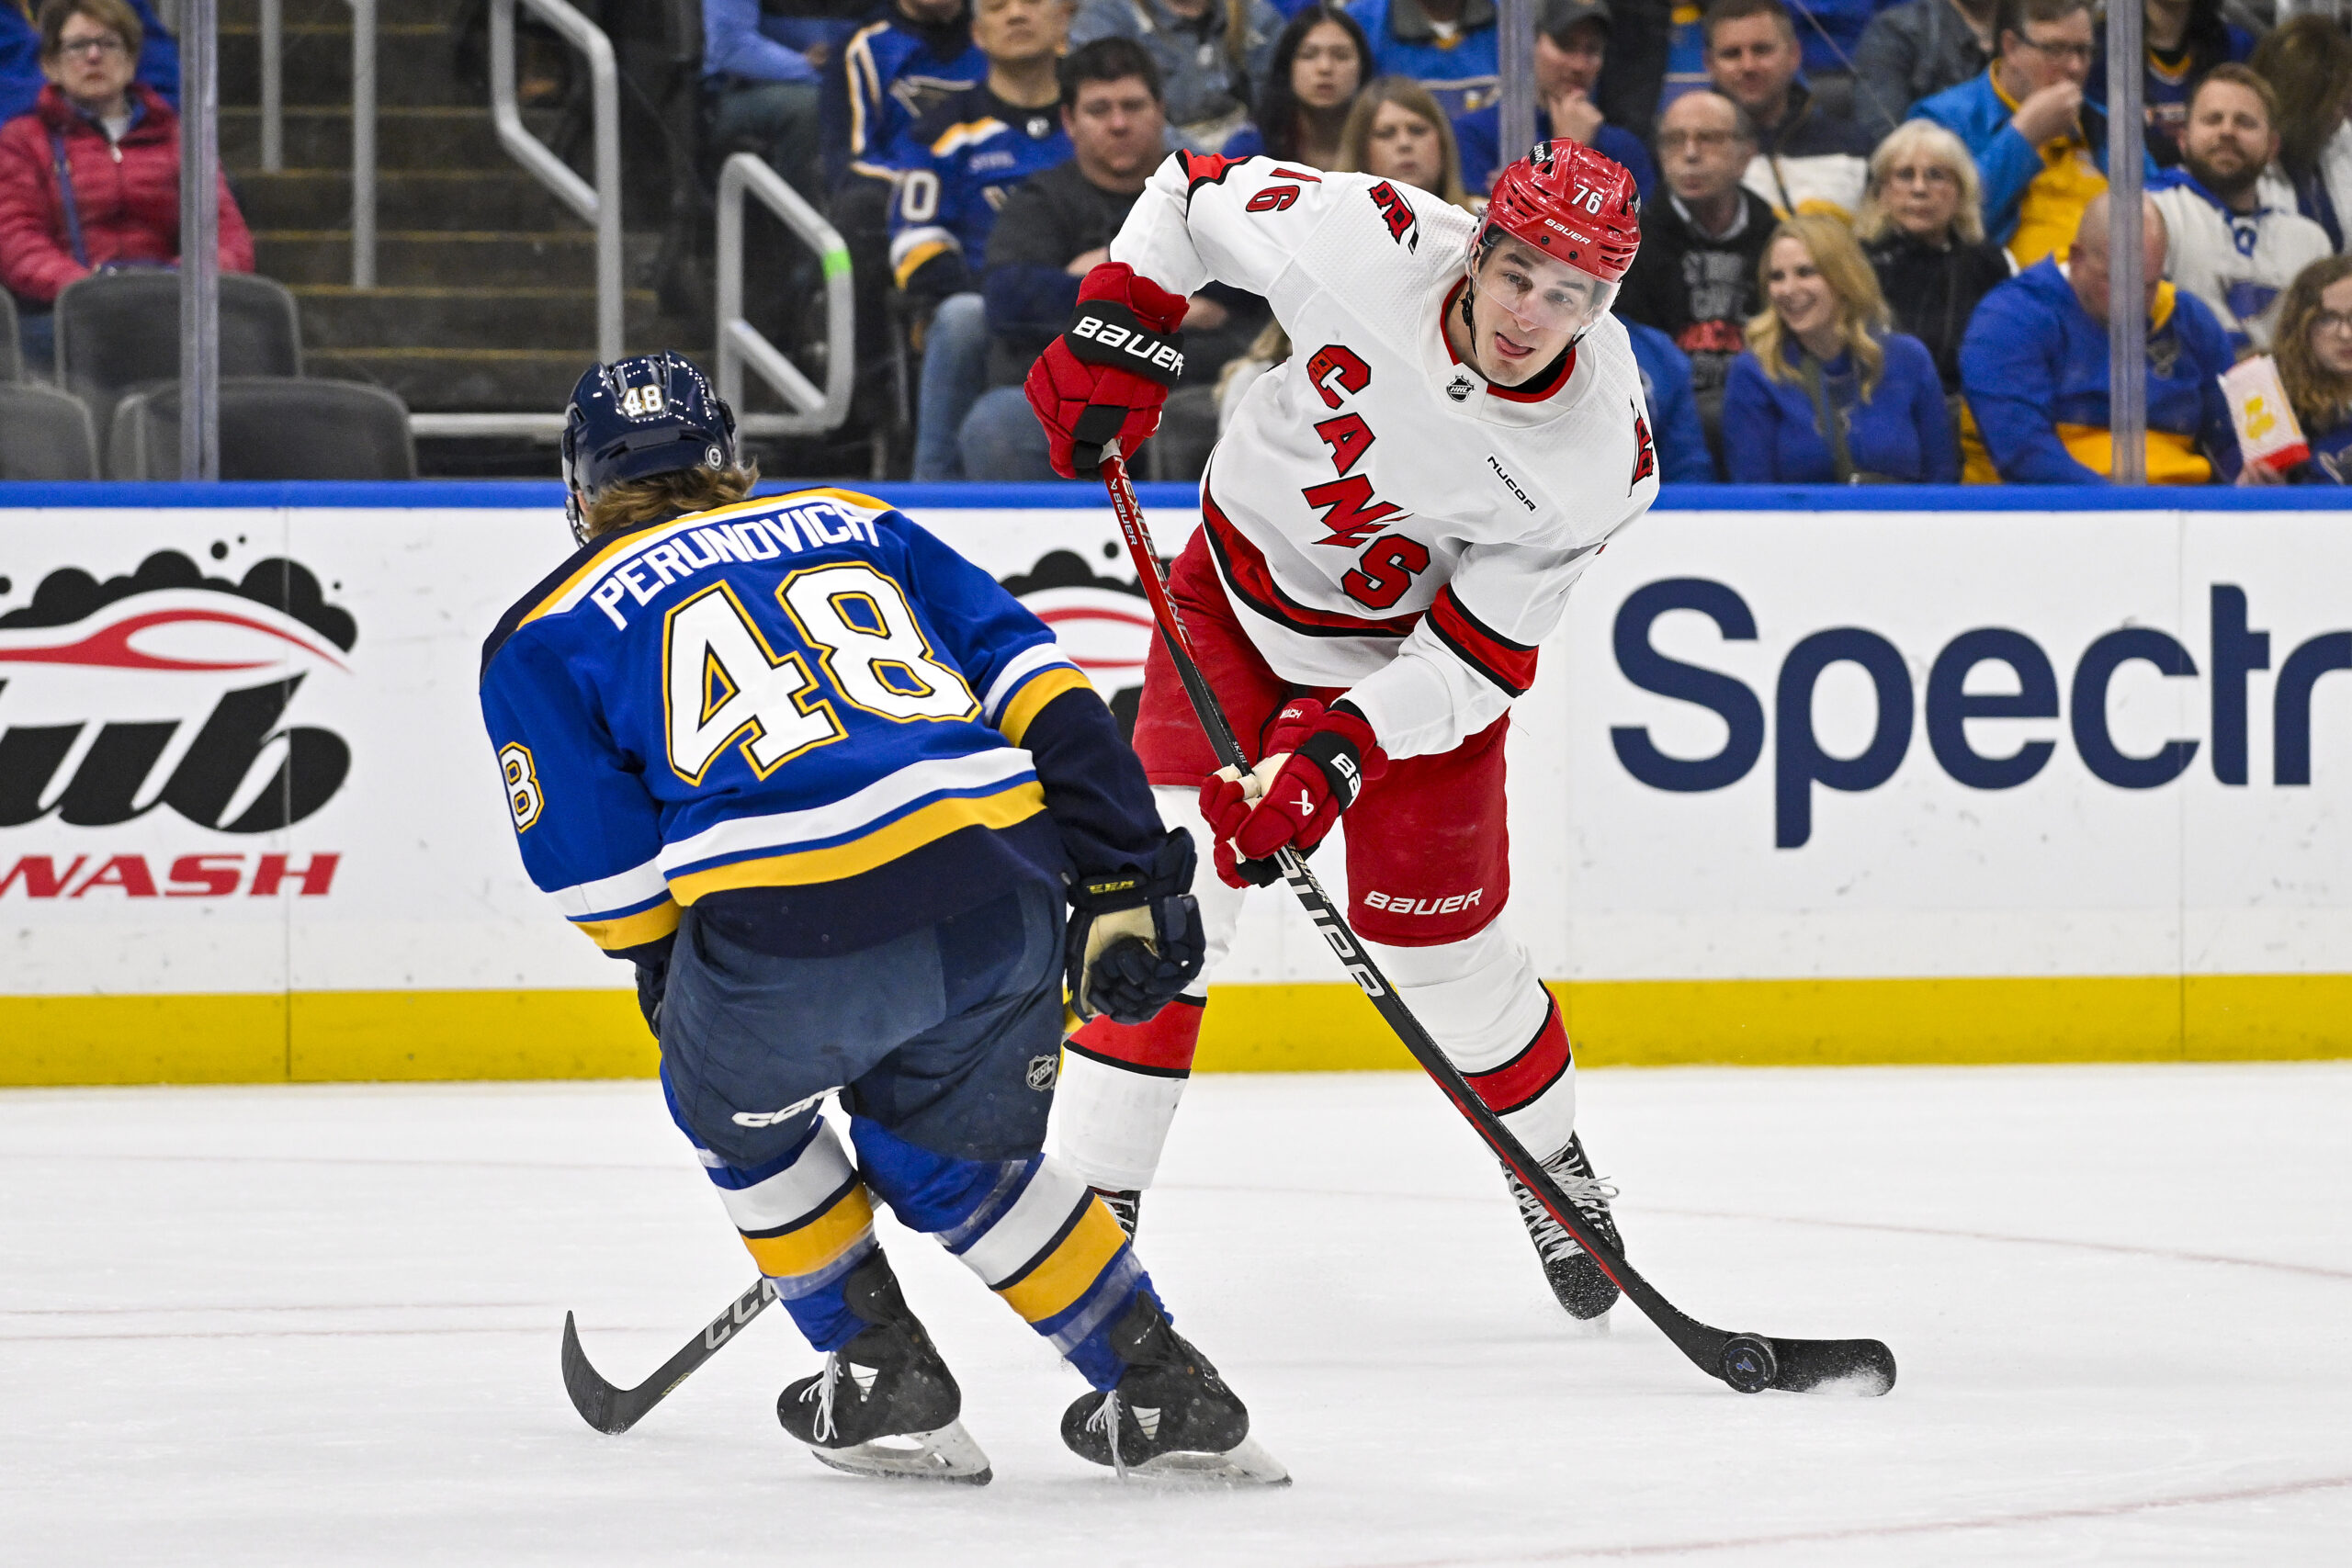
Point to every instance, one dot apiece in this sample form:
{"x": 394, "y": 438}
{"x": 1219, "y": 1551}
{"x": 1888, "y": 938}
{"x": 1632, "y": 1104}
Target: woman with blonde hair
{"x": 1825, "y": 393}
{"x": 2313, "y": 349}
{"x": 1397, "y": 132}
{"x": 1922, "y": 226}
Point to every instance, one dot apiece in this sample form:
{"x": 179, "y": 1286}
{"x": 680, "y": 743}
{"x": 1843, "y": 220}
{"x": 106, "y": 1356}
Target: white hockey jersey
{"x": 2239, "y": 263}
{"x": 1383, "y": 519}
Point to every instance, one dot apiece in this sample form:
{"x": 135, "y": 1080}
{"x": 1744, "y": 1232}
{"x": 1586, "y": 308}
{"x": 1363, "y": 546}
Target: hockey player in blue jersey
{"x": 855, "y": 819}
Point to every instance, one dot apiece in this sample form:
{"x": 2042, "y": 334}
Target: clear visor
{"x": 1544, "y": 293}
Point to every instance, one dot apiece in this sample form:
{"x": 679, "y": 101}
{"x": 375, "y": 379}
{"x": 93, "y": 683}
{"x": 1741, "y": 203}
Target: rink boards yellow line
{"x": 343, "y": 1037}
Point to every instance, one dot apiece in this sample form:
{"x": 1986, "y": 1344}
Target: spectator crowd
{"x": 1875, "y": 233}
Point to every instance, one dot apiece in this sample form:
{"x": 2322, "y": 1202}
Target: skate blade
{"x": 1247, "y": 1463}
{"x": 947, "y": 1454}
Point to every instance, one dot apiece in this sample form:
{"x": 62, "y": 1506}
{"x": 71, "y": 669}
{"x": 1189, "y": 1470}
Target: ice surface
{"x": 320, "y": 1326}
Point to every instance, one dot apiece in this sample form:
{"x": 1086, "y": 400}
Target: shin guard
{"x": 807, "y": 1221}
{"x": 1480, "y": 1000}
{"x": 1119, "y": 1089}
{"x": 1031, "y": 1229}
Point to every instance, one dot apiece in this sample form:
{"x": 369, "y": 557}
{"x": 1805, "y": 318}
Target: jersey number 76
{"x": 723, "y": 685}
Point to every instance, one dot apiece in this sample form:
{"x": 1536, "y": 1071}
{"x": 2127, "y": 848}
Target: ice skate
{"x": 1576, "y": 1280}
{"x": 1171, "y": 1418}
{"x": 885, "y": 1404}
{"x": 1126, "y": 1207}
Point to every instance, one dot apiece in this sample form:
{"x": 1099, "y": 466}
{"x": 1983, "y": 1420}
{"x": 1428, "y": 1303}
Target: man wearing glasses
{"x": 2040, "y": 147}
{"x": 1694, "y": 278}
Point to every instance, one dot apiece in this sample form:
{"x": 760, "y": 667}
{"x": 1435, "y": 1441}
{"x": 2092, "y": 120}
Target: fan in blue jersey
{"x": 892, "y": 71}
{"x": 960, "y": 162}
{"x": 832, "y": 788}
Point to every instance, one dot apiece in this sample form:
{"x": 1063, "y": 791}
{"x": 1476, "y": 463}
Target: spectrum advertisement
{"x": 250, "y": 825}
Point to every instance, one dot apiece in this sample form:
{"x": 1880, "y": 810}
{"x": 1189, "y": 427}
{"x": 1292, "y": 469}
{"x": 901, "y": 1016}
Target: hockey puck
{"x": 1750, "y": 1365}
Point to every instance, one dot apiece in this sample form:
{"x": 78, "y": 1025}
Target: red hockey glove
{"x": 1321, "y": 760}
{"x": 1107, "y": 375}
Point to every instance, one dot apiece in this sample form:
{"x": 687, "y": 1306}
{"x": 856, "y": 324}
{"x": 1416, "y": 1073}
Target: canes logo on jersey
{"x": 1351, "y": 512}
{"x": 167, "y": 688}
{"x": 1404, "y": 225}
{"x": 1644, "y": 452}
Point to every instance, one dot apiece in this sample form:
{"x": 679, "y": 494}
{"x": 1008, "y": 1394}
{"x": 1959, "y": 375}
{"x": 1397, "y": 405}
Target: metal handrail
{"x": 599, "y": 205}
{"x": 363, "y": 123}
{"x": 739, "y": 343}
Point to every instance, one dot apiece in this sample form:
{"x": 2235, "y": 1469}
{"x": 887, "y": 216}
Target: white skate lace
{"x": 1590, "y": 1194}
{"x": 1106, "y": 1419}
{"x": 822, "y": 1390}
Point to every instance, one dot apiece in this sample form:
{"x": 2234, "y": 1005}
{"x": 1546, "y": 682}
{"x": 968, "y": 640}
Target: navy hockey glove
{"x": 652, "y": 985}
{"x": 1135, "y": 939}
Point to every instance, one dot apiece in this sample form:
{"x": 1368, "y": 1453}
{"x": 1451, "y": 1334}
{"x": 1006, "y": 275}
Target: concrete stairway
{"x": 486, "y": 296}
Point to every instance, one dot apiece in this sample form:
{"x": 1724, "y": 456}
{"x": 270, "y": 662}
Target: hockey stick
{"x": 613, "y": 1409}
{"x": 1748, "y": 1362}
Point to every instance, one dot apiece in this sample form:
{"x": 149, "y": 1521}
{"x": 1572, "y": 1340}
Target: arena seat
{"x": 12, "y": 348}
{"x": 271, "y": 428}
{"x": 45, "y": 433}
{"x": 118, "y": 330}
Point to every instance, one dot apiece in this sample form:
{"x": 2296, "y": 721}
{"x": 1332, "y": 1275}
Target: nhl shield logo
{"x": 1461, "y": 387}
{"x": 1045, "y": 1071}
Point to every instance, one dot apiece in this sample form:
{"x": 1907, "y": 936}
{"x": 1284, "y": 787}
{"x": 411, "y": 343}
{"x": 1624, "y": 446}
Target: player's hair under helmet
{"x": 1574, "y": 205}
{"x": 652, "y": 413}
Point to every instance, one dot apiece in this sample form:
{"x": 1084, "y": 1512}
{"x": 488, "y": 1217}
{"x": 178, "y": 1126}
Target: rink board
{"x": 1769, "y": 805}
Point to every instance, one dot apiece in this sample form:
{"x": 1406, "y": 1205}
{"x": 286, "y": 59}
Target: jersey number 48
{"x": 723, "y": 685}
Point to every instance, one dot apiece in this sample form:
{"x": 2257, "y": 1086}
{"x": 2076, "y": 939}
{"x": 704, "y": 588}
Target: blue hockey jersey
{"x": 892, "y": 74}
{"x": 958, "y": 167}
{"x": 807, "y": 709}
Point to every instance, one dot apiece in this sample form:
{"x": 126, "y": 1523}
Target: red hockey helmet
{"x": 1577, "y": 205}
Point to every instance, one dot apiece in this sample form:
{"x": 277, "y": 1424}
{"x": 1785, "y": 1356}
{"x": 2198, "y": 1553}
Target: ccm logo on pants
{"x": 1398, "y": 904}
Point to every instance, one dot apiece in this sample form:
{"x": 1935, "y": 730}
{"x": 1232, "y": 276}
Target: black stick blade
{"x": 597, "y": 1400}
{"x": 1863, "y": 1367}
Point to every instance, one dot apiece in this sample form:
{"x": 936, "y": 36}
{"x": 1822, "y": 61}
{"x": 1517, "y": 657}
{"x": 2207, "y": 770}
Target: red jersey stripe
{"x": 1244, "y": 569}
{"x": 1511, "y": 665}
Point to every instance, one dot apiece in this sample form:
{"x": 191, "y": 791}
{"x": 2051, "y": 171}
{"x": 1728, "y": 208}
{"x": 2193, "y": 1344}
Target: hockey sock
{"x": 1534, "y": 1089}
{"x": 1496, "y": 1022}
{"x": 1119, "y": 1089}
{"x": 808, "y": 1222}
{"x": 1031, "y": 1229}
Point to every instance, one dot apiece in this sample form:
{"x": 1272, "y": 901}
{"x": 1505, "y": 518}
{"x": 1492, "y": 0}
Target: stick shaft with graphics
{"x": 613, "y": 1409}
{"x": 1748, "y": 1362}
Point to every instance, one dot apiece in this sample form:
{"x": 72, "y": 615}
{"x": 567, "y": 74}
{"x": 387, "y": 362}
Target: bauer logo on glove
{"x": 1107, "y": 333}
{"x": 1104, "y": 378}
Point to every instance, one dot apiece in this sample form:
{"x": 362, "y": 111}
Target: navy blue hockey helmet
{"x": 653, "y": 413}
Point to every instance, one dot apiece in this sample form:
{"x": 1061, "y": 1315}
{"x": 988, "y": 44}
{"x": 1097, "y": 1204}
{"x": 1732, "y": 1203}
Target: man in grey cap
{"x": 1571, "y": 43}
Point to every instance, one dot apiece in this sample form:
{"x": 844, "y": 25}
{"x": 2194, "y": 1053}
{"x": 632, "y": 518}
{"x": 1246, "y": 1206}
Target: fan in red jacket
{"x": 126, "y": 194}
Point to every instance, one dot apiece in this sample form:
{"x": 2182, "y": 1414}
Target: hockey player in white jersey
{"x": 1392, "y": 523}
